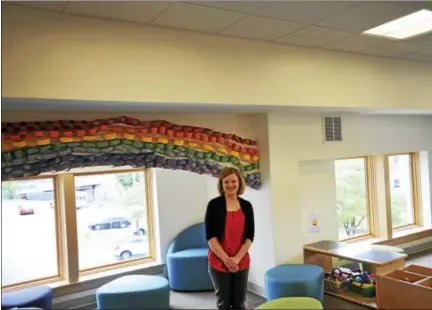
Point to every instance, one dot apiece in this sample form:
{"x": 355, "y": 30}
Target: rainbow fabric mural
{"x": 32, "y": 148}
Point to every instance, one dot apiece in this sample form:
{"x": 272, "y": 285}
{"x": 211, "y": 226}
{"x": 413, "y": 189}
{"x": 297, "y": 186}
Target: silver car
{"x": 132, "y": 248}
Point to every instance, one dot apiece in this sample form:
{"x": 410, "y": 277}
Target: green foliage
{"x": 399, "y": 206}
{"x": 9, "y": 190}
{"x": 133, "y": 194}
{"x": 351, "y": 194}
{"x": 127, "y": 180}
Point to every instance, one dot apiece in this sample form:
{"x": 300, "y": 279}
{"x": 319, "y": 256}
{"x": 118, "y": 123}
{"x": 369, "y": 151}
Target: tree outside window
{"x": 351, "y": 195}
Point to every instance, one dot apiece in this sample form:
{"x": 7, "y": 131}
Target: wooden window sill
{"x": 406, "y": 231}
{"x": 366, "y": 240}
{"x": 408, "y": 234}
{"x": 94, "y": 280}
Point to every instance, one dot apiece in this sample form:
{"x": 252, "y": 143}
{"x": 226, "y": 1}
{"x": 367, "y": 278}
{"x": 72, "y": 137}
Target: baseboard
{"x": 256, "y": 289}
{"x": 88, "y": 306}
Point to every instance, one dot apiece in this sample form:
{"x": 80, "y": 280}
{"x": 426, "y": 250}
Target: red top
{"x": 232, "y": 241}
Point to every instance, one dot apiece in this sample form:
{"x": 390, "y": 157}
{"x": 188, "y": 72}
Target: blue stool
{"x": 32, "y": 297}
{"x": 134, "y": 292}
{"x": 294, "y": 281}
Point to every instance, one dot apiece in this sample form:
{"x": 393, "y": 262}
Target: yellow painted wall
{"x": 50, "y": 55}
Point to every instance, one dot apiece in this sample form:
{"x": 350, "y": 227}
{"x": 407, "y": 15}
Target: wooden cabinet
{"x": 405, "y": 288}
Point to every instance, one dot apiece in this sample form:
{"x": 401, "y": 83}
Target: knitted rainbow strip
{"x": 31, "y": 148}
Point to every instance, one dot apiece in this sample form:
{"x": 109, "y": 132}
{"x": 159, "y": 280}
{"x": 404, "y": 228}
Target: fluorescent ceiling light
{"x": 405, "y": 27}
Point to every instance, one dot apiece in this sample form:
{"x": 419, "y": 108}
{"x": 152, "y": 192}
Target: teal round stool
{"x": 134, "y": 292}
{"x": 297, "y": 303}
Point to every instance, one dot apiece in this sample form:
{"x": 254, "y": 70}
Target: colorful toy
{"x": 338, "y": 280}
{"x": 363, "y": 284}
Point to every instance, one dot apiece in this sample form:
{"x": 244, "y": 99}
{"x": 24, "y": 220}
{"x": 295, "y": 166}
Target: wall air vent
{"x": 332, "y": 129}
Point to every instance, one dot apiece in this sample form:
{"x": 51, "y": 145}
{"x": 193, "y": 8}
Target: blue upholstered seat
{"x": 35, "y": 297}
{"x": 186, "y": 261}
{"x": 294, "y": 281}
{"x": 134, "y": 292}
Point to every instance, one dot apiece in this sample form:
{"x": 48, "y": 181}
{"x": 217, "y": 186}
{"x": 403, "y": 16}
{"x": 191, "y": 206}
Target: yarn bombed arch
{"x": 32, "y": 148}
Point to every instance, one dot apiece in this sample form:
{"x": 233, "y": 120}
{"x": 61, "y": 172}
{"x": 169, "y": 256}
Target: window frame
{"x": 66, "y": 234}
{"x": 369, "y": 164}
{"x": 415, "y": 177}
{"x": 150, "y": 220}
{"x": 58, "y": 233}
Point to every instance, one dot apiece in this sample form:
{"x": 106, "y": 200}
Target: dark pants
{"x": 230, "y": 288}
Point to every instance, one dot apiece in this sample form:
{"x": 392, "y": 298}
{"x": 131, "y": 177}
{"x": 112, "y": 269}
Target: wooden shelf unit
{"x": 355, "y": 298}
{"x": 321, "y": 253}
{"x": 405, "y": 288}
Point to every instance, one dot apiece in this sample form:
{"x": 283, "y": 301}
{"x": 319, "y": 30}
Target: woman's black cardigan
{"x": 215, "y": 218}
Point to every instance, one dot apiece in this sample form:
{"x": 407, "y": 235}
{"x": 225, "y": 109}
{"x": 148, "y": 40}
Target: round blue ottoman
{"x": 134, "y": 292}
{"x": 35, "y": 297}
{"x": 294, "y": 281}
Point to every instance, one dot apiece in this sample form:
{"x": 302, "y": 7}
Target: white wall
{"x": 262, "y": 251}
{"x": 318, "y": 196}
{"x": 298, "y": 156}
{"x": 302, "y": 135}
{"x": 181, "y": 201}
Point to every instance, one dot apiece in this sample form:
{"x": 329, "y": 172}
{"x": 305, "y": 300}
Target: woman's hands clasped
{"x": 232, "y": 263}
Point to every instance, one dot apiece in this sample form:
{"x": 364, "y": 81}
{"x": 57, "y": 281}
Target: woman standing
{"x": 230, "y": 230}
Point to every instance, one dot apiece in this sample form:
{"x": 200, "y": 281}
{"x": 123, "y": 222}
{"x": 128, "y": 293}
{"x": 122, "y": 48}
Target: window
{"x": 395, "y": 161}
{"x": 30, "y": 252}
{"x": 401, "y": 196}
{"x": 112, "y": 219}
{"x": 113, "y": 225}
{"x": 352, "y": 199}
{"x": 396, "y": 183}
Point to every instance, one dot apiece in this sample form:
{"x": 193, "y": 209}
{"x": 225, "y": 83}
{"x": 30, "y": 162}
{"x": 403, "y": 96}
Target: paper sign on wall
{"x": 314, "y": 221}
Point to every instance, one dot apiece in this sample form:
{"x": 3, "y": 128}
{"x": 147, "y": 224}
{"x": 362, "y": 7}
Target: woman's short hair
{"x": 226, "y": 172}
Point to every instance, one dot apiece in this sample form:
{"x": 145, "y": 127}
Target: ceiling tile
{"x": 365, "y": 16}
{"x": 261, "y": 28}
{"x": 425, "y": 39}
{"x": 314, "y": 36}
{"x": 423, "y": 56}
{"x": 132, "y": 11}
{"x": 47, "y": 5}
{"x": 197, "y": 18}
{"x": 416, "y": 4}
{"x": 236, "y": 6}
{"x": 304, "y": 11}
{"x": 393, "y": 49}
{"x": 357, "y": 43}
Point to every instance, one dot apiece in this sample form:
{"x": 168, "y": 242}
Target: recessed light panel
{"x": 405, "y": 27}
